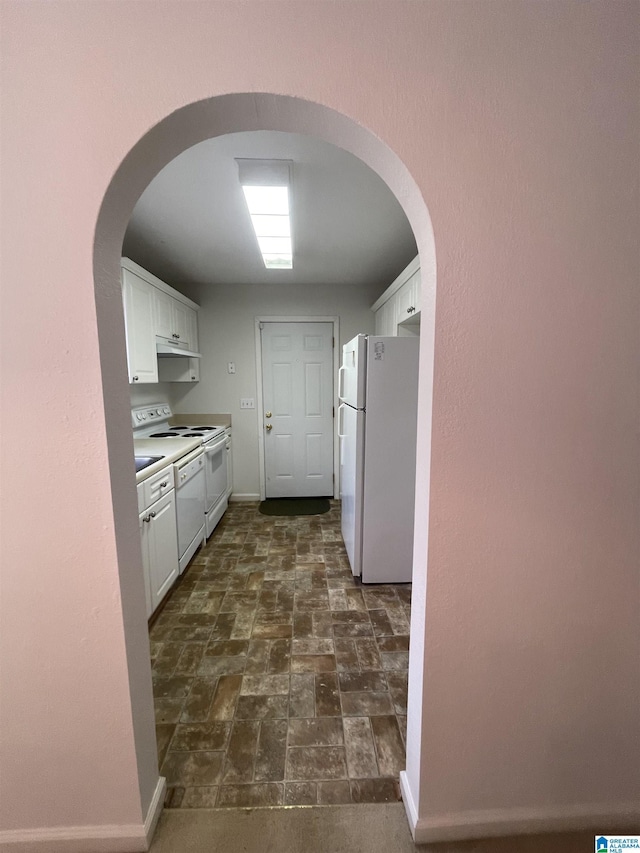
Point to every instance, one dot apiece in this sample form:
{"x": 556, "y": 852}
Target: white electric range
{"x": 200, "y": 475}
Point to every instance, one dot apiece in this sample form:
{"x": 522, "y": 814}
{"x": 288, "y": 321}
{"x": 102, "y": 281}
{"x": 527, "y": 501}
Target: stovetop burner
{"x": 152, "y": 422}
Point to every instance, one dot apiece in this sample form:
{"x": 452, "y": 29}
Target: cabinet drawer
{"x": 156, "y": 486}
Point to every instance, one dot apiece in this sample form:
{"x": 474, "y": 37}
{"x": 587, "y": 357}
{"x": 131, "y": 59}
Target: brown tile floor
{"x": 278, "y": 678}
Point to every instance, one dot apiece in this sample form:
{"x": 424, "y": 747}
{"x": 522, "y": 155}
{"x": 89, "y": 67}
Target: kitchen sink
{"x": 144, "y": 461}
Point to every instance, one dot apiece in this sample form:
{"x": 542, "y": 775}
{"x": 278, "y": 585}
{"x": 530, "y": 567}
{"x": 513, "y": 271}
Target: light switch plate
{"x": 247, "y": 403}
{"x": 231, "y": 367}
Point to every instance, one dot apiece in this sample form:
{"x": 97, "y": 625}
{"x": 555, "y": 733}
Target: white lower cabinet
{"x": 159, "y": 540}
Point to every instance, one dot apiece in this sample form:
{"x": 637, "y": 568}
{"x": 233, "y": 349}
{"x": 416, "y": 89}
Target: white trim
{"x": 494, "y": 823}
{"x": 155, "y": 810}
{"x": 397, "y": 283}
{"x": 239, "y": 497}
{"x": 130, "y": 838}
{"x": 110, "y": 838}
{"x": 409, "y": 804}
{"x": 260, "y": 400}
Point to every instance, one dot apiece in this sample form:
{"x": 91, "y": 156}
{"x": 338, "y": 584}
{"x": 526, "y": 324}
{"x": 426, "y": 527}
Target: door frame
{"x": 335, "y": 321}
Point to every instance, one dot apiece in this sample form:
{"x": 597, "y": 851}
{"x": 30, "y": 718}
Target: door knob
{"x": 269, "y": 427}
{"x": 267, "y": 414}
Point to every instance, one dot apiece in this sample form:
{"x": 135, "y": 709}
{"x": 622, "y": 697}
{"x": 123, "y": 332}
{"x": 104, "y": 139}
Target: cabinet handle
{"x": 152, "y": 514}
{"x": 135, "y": 378}
{"x": 410, "y": 310}
{"x": 193, "y": 377}
{"x": 164, "y": 484}
{"x": 147, "y": 518}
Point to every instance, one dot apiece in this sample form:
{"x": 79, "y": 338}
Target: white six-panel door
{"x": 297, "y": 380}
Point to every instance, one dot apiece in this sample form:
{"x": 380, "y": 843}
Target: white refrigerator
{"x": 378, "y": 390}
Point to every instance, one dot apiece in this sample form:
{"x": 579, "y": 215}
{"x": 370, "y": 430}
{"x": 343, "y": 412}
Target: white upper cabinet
{"x": 175, "y": 321}
{"x": 386, "y": 319}
{"x": 192, "y": 329}
{"x": 156, "y": 313}
{"x": 407, "y": 299}
{"x": 142, "y": 360}
{"x": 163, "y": 314}
{"x": 397, "y": 311}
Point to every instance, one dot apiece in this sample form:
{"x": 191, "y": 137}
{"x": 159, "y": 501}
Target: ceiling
{"x": 191, "y": 225}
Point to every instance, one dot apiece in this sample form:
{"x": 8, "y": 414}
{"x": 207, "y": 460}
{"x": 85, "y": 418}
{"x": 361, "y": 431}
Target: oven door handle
{"x": 218, "y": 445}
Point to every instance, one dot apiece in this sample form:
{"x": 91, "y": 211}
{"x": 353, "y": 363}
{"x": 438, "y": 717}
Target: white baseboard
{"x": 129, "y": 838}
{"x": 239, "y": 497}
{"x": 494, "y": 823}
{"x": 111, "y": 838}
{"x": 155, "y": 810}
{"x": 409, "y": 804}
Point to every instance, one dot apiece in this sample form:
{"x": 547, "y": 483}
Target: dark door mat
{"x": 294, "y": 506}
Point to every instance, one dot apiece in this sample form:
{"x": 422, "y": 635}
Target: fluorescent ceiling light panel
{"x": 269, "y": 200}
{"x": 278, "y": 262}
{"x": 265, "y": 184}
{"x": 271, "y": 226}
{"x": 275, "y": 245}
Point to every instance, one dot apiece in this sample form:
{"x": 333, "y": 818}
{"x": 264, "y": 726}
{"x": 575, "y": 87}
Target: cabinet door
{"x": 139, "y": 328}
{"x": 192, "y": 317}
{"x": 144, "y": 542}
{"x": 163, "y": 547}
{"x": 379, "y": 320}
{"x": 417, "y": 291}
{"x": 405, "y": 301}
{"x": 388, "y": 318}
{"x": 181, "y": 323}
{"x": 163, "y": 313}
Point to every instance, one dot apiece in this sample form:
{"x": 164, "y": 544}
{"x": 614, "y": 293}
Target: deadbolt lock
{"x": 267, "y": 414}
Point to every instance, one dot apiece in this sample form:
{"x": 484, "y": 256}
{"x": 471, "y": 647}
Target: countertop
{"x": 170, "y": 449}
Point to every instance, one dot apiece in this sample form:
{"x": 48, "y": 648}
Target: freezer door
{"x": 352, "y": 373}
{"x": 351, "y": 435}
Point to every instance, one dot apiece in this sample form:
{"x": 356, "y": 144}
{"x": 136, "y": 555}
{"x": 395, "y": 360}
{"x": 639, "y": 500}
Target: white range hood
{"x": 172, "y": 351}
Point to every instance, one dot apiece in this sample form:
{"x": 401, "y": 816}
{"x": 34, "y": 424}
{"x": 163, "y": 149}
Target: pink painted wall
{"x": 519, "y": 123}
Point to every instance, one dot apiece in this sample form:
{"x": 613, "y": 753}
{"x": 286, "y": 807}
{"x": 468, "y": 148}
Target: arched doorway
{"x": 179, "y": 131}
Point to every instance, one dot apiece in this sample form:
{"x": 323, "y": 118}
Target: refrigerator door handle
{"x": 341, "y": 372}
{"x": 341, "y": 434}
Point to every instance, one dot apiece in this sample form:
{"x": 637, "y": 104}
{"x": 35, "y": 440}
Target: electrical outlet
{"x": 247, "y": 403}
{"x": 231, "y": 367}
